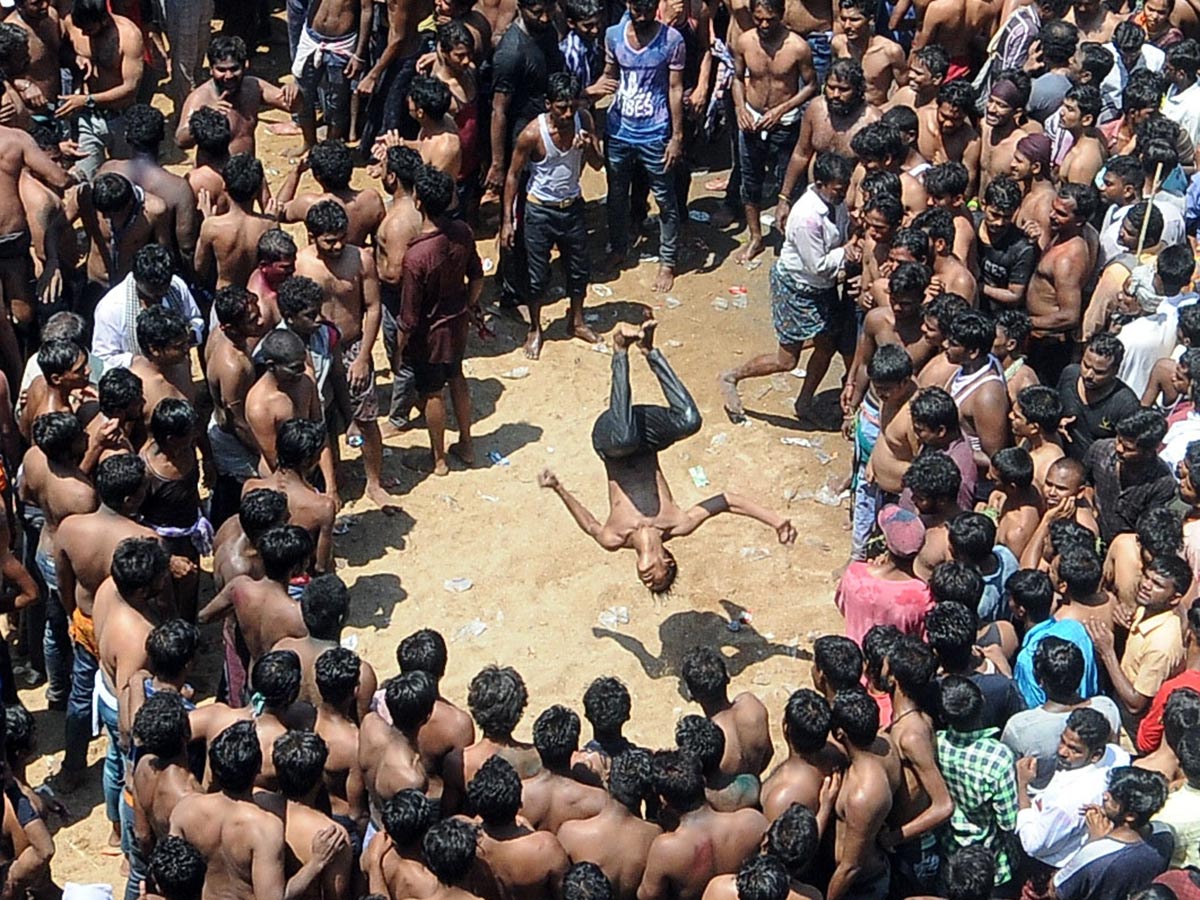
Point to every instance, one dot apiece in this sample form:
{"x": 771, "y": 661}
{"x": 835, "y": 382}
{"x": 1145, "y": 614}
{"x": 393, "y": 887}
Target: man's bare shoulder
{"x": 127, "y": 29}
{"x": 155, "y": 206}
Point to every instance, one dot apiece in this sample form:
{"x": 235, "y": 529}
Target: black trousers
{"x": 624, "y": 429}
{"x": 546, "y": 227}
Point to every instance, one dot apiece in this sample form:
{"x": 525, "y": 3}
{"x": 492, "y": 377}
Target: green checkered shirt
{"x": 982, "y": 778}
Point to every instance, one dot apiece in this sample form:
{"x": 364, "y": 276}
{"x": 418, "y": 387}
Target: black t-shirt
{"x": 1009, "y": 260}
{"x": 1095, "y": 422}
{"x": 521, "y": 67}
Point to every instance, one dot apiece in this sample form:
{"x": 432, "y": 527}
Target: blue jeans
{"x": 79, "y": 710}
{"x": 622, "y": 158}
{"x": 56, "y": 648}
{"x": 139, "y": 865}
{"x": 114, "y": 764}
{"x": 297, "y": 14}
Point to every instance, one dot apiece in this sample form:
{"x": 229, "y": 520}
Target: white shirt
{"x": 112, "y": 325}
{"x": 1183, "y": 108}
{"x": 1174, "y": 231}
{"x": 813, "y": 251}
{"x": 1053, "y": 827}
{"x": 1147, "y": 339}
{"x": 1114, "y": 82}
{"x": 1178, "y": 437}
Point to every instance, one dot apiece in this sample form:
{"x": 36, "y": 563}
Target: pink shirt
{"x": 865, "y": 601}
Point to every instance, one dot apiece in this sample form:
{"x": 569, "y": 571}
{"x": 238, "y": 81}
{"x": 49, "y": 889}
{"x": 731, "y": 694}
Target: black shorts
{"x": 429, "y": 378}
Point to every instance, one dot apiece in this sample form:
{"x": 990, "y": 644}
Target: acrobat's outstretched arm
{"x": 739, "y": 506}
{"x": 580, "y": 513}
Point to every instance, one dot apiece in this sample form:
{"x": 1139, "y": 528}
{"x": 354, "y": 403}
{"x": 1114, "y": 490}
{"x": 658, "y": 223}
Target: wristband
{"x": 785, "y": 198}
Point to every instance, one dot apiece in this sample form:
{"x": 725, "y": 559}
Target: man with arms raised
{"x": 643, "y": 514}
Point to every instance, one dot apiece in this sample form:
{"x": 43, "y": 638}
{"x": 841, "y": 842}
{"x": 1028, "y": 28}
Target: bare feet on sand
{"x": 284, "y": 129}
{"x": 383, "y": 495}
{"x": 533, "y": 343}
{"x": 664, "y": 280}
{"x": 389, "y": 429}
{"x": 730, "y": 398}
{"x": 751, "y": 250}
{"x": 579, "y": 329}
{"x": 464, "y": 450}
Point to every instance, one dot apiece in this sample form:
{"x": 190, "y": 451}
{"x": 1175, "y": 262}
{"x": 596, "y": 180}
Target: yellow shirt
{"x": 1154, "y": 651}
{"x": 1181, "y": 813}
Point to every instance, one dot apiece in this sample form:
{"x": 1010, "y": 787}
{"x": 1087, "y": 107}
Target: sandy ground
{"x": 544, "y": 598}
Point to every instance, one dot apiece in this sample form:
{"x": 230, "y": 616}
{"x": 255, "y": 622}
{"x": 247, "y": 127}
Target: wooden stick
{"x": 1150, "y": 201}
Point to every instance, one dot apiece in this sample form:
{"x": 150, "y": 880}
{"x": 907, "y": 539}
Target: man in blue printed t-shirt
{"x": 645, "y": 127}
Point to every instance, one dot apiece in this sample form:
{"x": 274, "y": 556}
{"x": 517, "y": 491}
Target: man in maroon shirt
{"x": 435, "y": 313}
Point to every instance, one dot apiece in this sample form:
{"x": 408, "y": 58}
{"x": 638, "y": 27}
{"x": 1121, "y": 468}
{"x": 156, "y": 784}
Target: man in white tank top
{"x": 553, "y": 147}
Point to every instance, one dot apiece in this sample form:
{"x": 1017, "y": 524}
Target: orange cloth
{"x": 83, "y": 632}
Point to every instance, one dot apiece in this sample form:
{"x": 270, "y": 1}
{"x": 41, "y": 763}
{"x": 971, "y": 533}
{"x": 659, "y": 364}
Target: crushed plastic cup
{"x": 754, "y": 554}
{"x": 601, "y": 290}
{"x": 720, "y": 303}
{"x": 489, "y": 498}
{"x": 720, "y": 439}
{"x": 699, "y": 477}
{"x": 675, "y": 345}
{"x": 471, "y": 629}
{"x": 518, "y": 372}
{"x": 799, "y": 372}
{"x": 458, "y": 585}
{"x": 498, "y": 458}
{"x": 673, "y": 302}
{"x": 600, "y": 347}
{"x": 822, "y": 457}
{"x": 797, "y": 442}
{"x": 740, "y": 301}
{"x": 614, "y": 616}
{"x": 488, "y": 266}
{"x": 753, "y": 264}
{"x": 350, "y": 641}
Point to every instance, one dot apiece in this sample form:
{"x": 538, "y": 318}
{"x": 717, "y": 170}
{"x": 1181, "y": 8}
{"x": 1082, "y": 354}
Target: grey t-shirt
{"x": 1035, "y": 732}
{"x": 1047, "y": 95}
